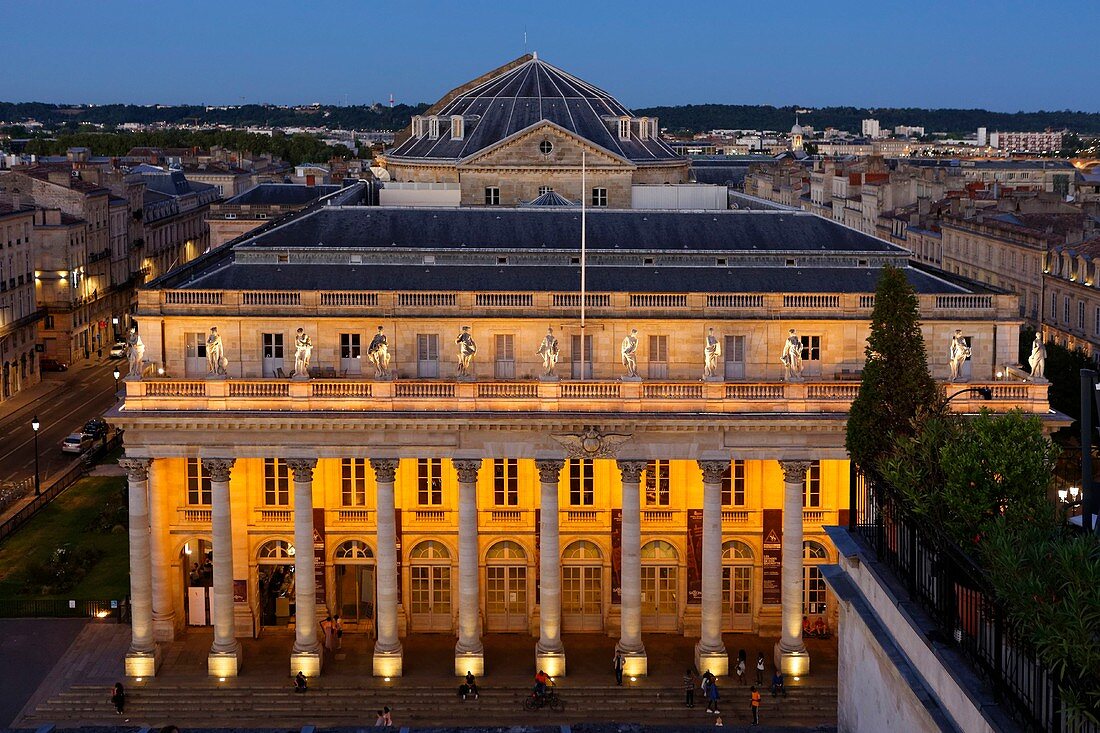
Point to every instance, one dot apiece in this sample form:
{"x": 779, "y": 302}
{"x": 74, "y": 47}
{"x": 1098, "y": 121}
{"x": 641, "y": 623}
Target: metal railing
{"x": 954, "y": 591}
{"x": 57, "y": 608}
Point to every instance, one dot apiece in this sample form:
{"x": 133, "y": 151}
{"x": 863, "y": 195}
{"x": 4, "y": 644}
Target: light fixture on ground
{"x": 35, "y": 425}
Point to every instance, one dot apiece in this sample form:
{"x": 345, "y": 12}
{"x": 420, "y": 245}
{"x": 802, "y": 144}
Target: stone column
{"x": 143, "y": 656}
{"x": 387, "y": 648}
{"x": 224, "y": 659}
{"x": 164, "y": 612}
{"x": 549, "y": 653}
{"x": 469, "y": 651}
{"x": 710, "y": 652}
{"x": 306, "y": 656}
{"x": 630, "y": 645}
{"x": 790, "y": 652}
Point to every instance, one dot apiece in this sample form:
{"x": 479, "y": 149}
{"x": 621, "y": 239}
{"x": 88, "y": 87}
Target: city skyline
{"x": 336, "y": 53}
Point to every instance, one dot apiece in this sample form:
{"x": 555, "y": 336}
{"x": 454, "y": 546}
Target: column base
{"x": 308, "y": 663}
{"x": 387, "y": 662}
{"x": 635, "y": 661}
{"x": 164, "y": 627}
{"x": 224, "y": 663}
{"x": 717, "y": 661}
{"x": 472, "y": 660}
{"x": 793, "y": 662}
{"x": 550, "y": 662}
{"x": 143, "y": 664}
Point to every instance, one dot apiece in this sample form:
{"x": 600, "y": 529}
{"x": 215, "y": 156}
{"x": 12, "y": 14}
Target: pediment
{"x": 523, "y": 149}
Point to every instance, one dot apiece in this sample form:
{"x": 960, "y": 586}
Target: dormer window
{"x": 418, "y": 126}
{"x": 654, "y": 131}
{"x": 458, "y": 128}
{"x": 433, "y": 128}
{"x": 624, "y": 128}
{"x": 643, "y": 128}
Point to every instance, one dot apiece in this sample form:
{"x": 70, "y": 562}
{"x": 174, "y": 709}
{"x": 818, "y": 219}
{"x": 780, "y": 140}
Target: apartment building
{"x": 19, "y": 314}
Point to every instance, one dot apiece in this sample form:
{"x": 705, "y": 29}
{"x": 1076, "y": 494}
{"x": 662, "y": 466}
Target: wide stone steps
{"x": 212, "y": 705}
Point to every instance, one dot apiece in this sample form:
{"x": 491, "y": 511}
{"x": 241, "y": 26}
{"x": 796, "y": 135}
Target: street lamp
{"x": 35, "y": 425}
{"x": 116, "y": 375}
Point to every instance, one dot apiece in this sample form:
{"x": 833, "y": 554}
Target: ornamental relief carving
{"x": 592, "y": 443}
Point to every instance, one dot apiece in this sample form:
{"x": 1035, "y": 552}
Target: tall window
{"x": 599, "y": 197}
{"x": 811, "y": 490}
{"x": 733, "y": 485}
{"x": 427, "y": 355}
{"x": 658, "y": 357}
{"x": 1053, "y": 306}
{"x": 505, "y": 482}
{"x": 350, "y": 347}
{"x": 581, "y": 482}
{"x": 198, "y": 483}
{"x": 492, "y": 196}
{"x": 811, "y": 348}
{"x": 505, "y": 366}
{"x": 1096, "y": 326}
{"x": 353, "y": 481}
{"x": 429, "y": 481}
{"x": 656, "y": 483}
{"x": 1081, "y": 315}
{"x": 276, "y": 482}
{"x": 1065, "y": 309}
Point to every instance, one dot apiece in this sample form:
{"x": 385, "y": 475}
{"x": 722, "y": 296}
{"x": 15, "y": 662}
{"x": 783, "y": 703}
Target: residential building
{"x": 62, "y": 290}
{"x": 19, "y": 313}
{"x": 1072, "y": 299}
{"x": 1028, "y": 142}
{"x": 870, "y": 128}
{"x": 227, "y": 180}
{"x": 173, "y": 220}
{"x": 259, "y": 205}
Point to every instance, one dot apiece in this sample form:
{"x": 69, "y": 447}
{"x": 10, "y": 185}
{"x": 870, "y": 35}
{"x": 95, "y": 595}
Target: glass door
{"x": 737, "y": 597}
{"x": 659, "y": 594}
{"x": 506, "y": 597}
{"x": 582, "y": 597}
{"x": 272, "y": 354}
{"x": 430, "y": 602}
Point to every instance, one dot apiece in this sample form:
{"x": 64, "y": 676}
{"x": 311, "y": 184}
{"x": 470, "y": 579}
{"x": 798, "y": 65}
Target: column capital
{"x": 137, "y": 469}
{"x": 632, "y": 470}
{"x": 385, "y": 469}
{"x": 467, "y": 469}
{"x": 218, "y": 468}
{"x": 302, "y": 468}
{"x": 794, "y": 472}
{"x": 713, "y": 471}
{"x": 549, "y": 469}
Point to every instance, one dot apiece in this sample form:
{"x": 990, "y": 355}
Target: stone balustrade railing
{"x": 564, "y": 396}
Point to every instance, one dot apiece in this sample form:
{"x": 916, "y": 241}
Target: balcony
{"x": 194, "y": 515}
{"x": 319, "y": 395}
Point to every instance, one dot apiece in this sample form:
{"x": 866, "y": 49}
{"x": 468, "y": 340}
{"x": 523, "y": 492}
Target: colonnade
{"x": 151, "y": 599}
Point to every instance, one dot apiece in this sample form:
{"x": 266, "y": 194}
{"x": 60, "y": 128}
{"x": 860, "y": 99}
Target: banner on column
{"x": 538, "y": 556}
{"x": 616, "y": 555}
{"x": 695, "y": 556}
{"x": 397, "y": 535}
{"x": 319, "y": 555}
{"x": 773, "y": 556}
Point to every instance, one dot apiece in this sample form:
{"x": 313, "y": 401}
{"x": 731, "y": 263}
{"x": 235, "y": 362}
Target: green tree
{"x": 896, "y": 384}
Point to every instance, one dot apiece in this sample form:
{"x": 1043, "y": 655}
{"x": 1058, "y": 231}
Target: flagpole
{"x": 584, "y": 254}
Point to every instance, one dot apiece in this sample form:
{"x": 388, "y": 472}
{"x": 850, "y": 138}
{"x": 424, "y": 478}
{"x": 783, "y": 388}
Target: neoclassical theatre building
{"x": 665, "y": 465}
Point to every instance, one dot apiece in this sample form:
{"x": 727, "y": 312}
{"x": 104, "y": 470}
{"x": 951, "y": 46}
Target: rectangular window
{"x": 658, "y": 357}
{"x": 733, "y": 485}
{"x": 353, "y": 481}
{"x": 1065, "y": 309}
{"x": 581, "y": 483}
{"x": 427, "y": 355}
{"x": 543, "y": 190}
{"x": 811, "y": 491}
{"x": 505, "y": 482}
{"x": 505, "y": 365}
{"x": 599, "y": 197}
{"x": 350, "y": 346}
{"x": 195, "y": 346}
{"x": 1081, "y": 315}
{"x": 656, "y": 483}
{"x": 811, "y": 348}
{"x": 492, "y": 196}
{"x": 1053, "y": 306}
{"x": 276, "y": 482}
{"x": 575, "y": 357}
{"x": 198, "y": 483}
{"x": 1096, "y": 323}
{"x": 429, "y": 481}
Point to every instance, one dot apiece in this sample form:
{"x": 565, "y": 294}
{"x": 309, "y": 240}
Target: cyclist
{"x": 542, "y": 680}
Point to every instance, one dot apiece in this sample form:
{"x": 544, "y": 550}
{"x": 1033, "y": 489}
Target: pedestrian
{"x": 718, "y": 722}
{"x": 755, "y": 706}
{"x": 387, "y": 717}
{"x": 471, "y": 685}
{"x": 689, "y": 688}
{"x": 380, "y": 720}
{"x": 712, "y": 695}
{"x": 339, "y": 629}
{"x": 760, "y": 668}
{"x": 617, "y": 663}
{"x": 740, "y": 670}
{"x": 118, "y": 697}
{"x": 777, "y": 684}
{"x": 328, "y": 631}
{"x": 300, "y": 684}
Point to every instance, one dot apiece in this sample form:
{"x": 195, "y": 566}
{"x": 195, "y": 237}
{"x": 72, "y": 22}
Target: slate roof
{"x": 550, "y": 198}
{"x": 281, "y": 194}
{"x": 522, "y": 96}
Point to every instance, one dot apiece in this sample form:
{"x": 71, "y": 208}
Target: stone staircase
{"x": 195, "y": 704}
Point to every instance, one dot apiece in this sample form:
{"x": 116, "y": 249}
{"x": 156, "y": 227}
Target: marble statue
{"x": 711, "y": 353}
{"x": 1038, "y": 358}
{"x": 379, "y": 354}
{"x": 548, "y": 350}
{"x": 215, "y": 353}
{"x": 303, "y": 350}
{"x": 958, "y": 354}
{"x": 792, "y": 357}
{"x": 466, "y": 350}
{"x": 630, "y": 354}
{"x": 135, "y": 353}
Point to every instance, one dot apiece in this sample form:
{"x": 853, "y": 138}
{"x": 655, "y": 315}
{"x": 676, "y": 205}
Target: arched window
{"x": 736, "y": 550}
{"x": 814, "y": 592}
{"x": 430, "y": 550}
{"x": 582, "y": 550}
{"x": 506, "y": 550}
{"x": 275, "y": 550}
{"x": 814, "y": 551}
{"x": 354, "y": 550}
{"x": 658, "y": 550}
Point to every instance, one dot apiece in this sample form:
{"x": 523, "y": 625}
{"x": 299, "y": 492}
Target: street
{"x": 88, "y": 392}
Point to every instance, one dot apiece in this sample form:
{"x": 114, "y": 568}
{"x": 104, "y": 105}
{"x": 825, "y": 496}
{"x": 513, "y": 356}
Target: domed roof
{"x": 519, "y": 95}
{"x": 796, "y": 129}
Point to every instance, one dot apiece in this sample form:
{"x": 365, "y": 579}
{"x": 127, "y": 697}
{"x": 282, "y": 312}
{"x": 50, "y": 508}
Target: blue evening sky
{"x": 998, "y": 54}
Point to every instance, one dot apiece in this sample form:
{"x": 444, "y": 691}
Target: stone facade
{"x": 19, "y": 314}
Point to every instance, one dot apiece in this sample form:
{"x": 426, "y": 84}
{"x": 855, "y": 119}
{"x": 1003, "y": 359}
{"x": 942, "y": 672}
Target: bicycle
{"x": 548, "y": 699}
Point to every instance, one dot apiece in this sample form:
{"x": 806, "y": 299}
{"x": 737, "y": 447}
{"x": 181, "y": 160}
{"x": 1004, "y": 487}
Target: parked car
{"x": 47, "y": 364}
{"x": 97, "y": 428}
{"x": 118, "y": 351}
{"x": 77, "y": 443}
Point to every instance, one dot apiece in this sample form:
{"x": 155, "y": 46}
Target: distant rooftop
{"x": 281, "y": 194}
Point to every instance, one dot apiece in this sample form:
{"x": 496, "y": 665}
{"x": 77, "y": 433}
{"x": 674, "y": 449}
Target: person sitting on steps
{"x": 300, "y": 684}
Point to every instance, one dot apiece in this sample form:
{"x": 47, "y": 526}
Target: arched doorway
{"x": 197, "y": 576}
{"x": 737, "y": 595}
{"x": 814, "y": 590}
{"x": 506, "y": 587}
{"x": 660, "y": 586}
{"x": 355, "y": 585}
{"x": 430, "y": 587}
{"x": 582, "y": 587}
{"x": 275, "y": 583}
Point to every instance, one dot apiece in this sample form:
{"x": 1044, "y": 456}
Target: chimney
{"x": 61, "y": 178}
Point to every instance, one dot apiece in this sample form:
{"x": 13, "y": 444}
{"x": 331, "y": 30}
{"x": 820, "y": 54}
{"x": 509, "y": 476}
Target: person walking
{"x": 118, "y": 697}
{"x": 740, "y": 670}
{"x": 689, "y": 688}
{"x": 760, "y": 668}
{"x": 617, "y": 663}
{"x": 338, "y": 629}
{"x": 754, "y": 704}
{"x": 712, "y": 695}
